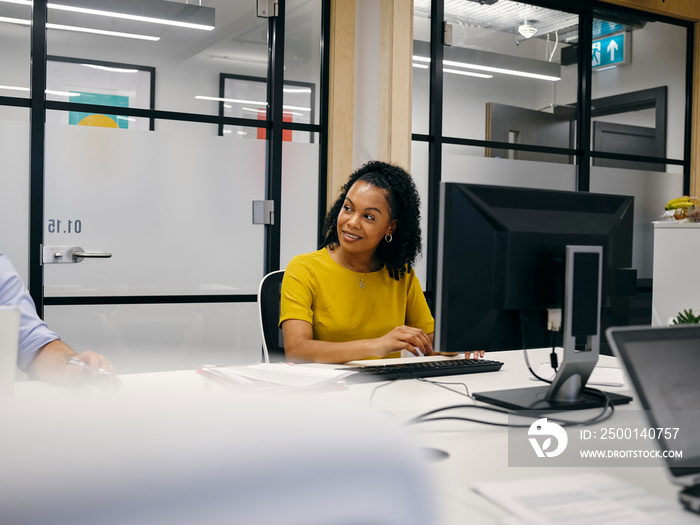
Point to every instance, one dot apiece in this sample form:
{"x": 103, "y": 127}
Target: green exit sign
{"x": 611, "y": 51}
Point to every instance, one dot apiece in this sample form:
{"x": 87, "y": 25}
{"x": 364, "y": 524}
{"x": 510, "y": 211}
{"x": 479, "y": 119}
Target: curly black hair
{"x": 399, "y": 255}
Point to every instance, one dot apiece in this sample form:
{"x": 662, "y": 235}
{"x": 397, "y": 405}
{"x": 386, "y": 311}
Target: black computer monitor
{"x": 502, "y": 266}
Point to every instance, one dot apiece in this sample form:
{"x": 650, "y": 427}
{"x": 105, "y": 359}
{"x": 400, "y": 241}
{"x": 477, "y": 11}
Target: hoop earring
{"x": 388, "y": 237}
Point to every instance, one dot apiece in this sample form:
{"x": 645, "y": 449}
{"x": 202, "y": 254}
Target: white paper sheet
{"x": 578, "y": 499}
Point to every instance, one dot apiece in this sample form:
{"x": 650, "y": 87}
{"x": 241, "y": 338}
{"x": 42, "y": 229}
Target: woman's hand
{"x": 404, "y": 337}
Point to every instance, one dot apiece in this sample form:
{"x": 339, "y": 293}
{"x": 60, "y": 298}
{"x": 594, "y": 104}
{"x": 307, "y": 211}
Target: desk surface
{"x": 476, "y": 452}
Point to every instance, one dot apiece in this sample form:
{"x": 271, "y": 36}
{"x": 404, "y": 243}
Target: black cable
{"x": 553, "y": 356}
{"x": 443, "y": 384}
{"x": 604, "y": 414}
{"x": 374, "y": 390}
{"x": 458, "y": 418}
{"x": 423, "y": 418}
{"x": 527, "y": 360}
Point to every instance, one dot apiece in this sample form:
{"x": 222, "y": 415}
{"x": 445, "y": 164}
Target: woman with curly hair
{"x": 358, "y": 296}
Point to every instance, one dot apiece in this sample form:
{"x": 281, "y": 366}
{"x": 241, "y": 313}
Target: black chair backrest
{"x": 269, "y": 304}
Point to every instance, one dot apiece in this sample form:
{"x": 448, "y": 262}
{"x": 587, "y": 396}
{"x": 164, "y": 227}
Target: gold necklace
{"x": 362, "y": 277}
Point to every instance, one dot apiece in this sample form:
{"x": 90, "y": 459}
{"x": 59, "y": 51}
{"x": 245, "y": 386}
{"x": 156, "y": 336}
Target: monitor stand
{"x": 535, "y": 399}
{"x": 582, "y": 301}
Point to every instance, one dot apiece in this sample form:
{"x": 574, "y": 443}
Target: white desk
{"x": 476, "y": 452}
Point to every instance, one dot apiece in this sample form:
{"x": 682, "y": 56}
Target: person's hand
{"x": 91, "y": 368}
{"x": 404, "y": 337}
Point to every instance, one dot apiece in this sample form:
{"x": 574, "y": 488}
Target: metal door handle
{"x": 69, "y": 254}
{"x": 93, "y": 255}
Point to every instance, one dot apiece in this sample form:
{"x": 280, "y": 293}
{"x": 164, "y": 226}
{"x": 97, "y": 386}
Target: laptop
{"x": 663, "y": 366}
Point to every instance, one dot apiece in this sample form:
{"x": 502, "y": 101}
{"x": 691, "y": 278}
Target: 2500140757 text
{"x": 611, "y": 433}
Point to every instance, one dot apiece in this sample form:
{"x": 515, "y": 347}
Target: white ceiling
{"x": 239, "y": 34}
{"x": 506, "y": 16}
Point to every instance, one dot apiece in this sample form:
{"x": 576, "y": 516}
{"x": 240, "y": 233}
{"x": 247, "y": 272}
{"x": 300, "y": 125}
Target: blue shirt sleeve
{"x": 33, "y": 332}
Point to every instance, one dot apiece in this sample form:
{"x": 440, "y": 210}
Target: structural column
{"x": 341, "y": 98}
{"x": 395, "y": 81}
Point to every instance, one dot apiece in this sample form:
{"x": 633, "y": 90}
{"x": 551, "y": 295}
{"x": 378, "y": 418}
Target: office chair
{"x": 269, "y": 303}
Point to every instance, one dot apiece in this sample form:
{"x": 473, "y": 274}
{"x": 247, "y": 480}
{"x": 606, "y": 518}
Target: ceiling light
{"x": 154, "y": 11}
{"x": 137, "y": 18}
{"x": 234, "y": 100}
{"x": 527, "y": 30}
{"x": 62, "y": 93}
{"x": 78, "y": 29}
{"x": 238, "y": 101}
{"x": 462, "y": 58}
{"x": 298, "y": 108}
{"x": 48, "y": 91}
{"x": 503, "y": 71}
{"x": 102, "y": 32}
{"x": 488, "y": 69}
{"x": 15, "y": 88}
{"x": 466, "y": 73}
{"x": 111, "y": 69}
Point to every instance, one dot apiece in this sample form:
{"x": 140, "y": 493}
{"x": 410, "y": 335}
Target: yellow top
{"x": 318, "y": 290}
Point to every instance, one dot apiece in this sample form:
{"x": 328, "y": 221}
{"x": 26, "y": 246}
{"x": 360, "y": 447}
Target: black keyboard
{"x": 412, "y": 370}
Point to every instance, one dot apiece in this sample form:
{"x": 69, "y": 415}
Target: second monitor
{"x": 502, "y": 267}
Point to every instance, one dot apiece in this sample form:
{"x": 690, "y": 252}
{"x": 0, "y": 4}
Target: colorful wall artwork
{"x": 80, "y": 118}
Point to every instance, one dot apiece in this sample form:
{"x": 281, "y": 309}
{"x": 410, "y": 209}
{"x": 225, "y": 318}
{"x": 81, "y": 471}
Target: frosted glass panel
{"x": 174, "y": 209}
{"x": 459, "y": 165}
{"x": 651, "y": 191}
{"x": 147, "y": 338}
{"x": 14, "y": 193}
{"x": 299, "y": 226}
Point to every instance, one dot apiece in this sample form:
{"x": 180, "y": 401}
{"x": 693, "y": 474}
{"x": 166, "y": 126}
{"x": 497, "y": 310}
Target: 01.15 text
{"x": 69, "y": 226}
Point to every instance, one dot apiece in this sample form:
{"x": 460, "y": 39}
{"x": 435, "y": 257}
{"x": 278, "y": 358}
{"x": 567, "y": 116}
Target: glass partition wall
{"x": 150, "y": 150}
{"x": 564, "y": 95}
{"x": 15, "y": 42}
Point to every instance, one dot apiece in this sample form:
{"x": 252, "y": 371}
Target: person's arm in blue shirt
{"x": 40, "y": 352}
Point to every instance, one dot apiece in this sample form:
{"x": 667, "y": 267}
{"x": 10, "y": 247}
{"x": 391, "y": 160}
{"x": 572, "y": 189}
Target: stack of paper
{"x": 265, "y": 375}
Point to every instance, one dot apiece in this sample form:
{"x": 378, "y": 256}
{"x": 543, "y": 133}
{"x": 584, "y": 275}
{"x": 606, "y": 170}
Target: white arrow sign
{"x": 612, "y": 47}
